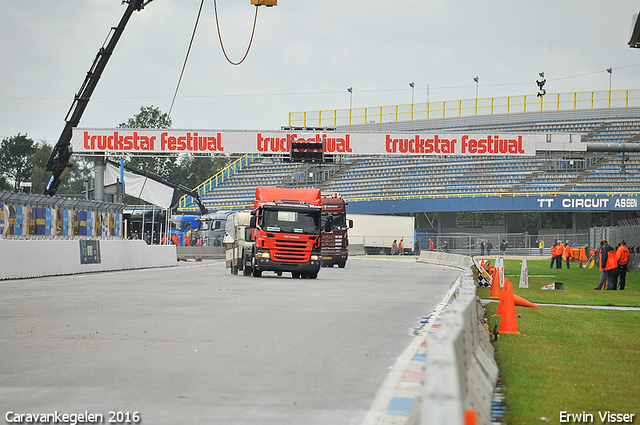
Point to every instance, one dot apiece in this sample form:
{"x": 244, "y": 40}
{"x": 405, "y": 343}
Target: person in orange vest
{"x": 430, "y": 245}
{"x": 622, "y": 258}
{"x": 553, "y": 255}
{"x": 556, "y": 254}
{"x": 400, "y": 249}
{"x": 607, "y": 265}
{"x": 187, "y": 238}
{"x": 566, "y": 254}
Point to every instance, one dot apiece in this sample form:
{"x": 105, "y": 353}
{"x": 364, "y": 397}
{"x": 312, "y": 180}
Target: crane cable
{"x": 215, "y": 10}
{"x": 253, "y": 31}
{"x": 186, "y": 58}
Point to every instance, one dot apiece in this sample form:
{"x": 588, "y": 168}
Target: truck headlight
{"x": 316, "y": 257}
{"x": 265, "y": 254}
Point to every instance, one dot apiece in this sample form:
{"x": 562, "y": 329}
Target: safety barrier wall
{"x": 460, "y": 370}
{"x": 37, "y": 216}
{"x": 36, "y": 258}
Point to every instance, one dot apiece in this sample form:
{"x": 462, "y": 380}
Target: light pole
{"x": 610, "y": 71}
{"x": 476, "y": 79}
{"x": 350, "y": 90}
{"x": 413, "y": 86}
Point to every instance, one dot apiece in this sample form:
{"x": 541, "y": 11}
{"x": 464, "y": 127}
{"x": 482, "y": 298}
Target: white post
{"x": 524, "y": 274}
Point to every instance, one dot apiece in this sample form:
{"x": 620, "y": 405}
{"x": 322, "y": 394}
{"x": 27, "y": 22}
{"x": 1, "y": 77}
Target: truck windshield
{"x": 210, "y": 224}
{"x": 291, "y": 221}
{"x": 338, "y": 221}
{"x": 180, "y": 225}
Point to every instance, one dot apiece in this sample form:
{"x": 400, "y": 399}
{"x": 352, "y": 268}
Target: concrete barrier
{"x": 460, "y": 370}
{"x": 46, "y": 257}
{"x": 445, "y": 259}
{"x": 200, "y": 252}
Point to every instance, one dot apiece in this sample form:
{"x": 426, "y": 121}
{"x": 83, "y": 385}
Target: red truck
{"x": 335, "y": 241}
{"x": 284, "y": 233}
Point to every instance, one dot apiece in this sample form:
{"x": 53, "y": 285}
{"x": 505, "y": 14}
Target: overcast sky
{"x": 304, "y": 56}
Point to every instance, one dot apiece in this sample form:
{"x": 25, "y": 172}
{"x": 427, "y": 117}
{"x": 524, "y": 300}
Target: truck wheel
{"x": 254, "y": 267}
{"x": 246, "y": 270}
{"x": 312, "y": 275}
{"x": 341, "y": 264}
{"x": 295, "y": 275}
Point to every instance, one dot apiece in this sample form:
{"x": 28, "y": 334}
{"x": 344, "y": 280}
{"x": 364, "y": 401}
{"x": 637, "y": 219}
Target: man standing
{"x": 541, "y": 246}
{"x": 503, "y": 247}
{"x": 566, "y": 253}
{"x": 607, "y": 265}
{"x": 553, "y": 250}
{"x": 481, "y": 246}
{"x": 430, "y": 245}
{"x": 622, "y": 258}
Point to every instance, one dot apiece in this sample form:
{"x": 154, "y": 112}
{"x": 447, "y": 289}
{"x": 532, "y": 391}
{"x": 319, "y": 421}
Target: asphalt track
{"x": 194, "y": 344}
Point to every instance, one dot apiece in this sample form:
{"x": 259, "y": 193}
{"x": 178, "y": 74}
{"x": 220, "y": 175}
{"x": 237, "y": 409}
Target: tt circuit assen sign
{"x": 279, "y": 142}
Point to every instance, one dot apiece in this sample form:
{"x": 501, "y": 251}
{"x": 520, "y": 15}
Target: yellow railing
{"x": 187, "y": 203}
{"x": 467, "y": 107}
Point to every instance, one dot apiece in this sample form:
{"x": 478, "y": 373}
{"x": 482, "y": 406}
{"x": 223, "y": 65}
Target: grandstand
{"x": 446, "y": 184}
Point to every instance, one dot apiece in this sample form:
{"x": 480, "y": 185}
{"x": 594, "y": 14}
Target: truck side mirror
{"x": 327, "y": 224}
{"x": 350, "y": 224}
{"x": 252, "y": 222}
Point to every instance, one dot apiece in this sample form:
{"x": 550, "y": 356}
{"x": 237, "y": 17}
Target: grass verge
{"x": 575, "y": 360}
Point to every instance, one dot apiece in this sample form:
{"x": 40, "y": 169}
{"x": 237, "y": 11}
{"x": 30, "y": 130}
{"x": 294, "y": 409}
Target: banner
{"x": 140, "y": 186}
{"x": 279, "y": 142}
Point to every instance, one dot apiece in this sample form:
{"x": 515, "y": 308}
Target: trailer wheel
{"x": 246, "y": 270}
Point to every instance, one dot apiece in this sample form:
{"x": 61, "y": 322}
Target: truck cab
{"x": 182, "y": 226}
{"x": 335, "y": 240}
{"x": 285, "y": 233}
{"x": 212, "y": 228}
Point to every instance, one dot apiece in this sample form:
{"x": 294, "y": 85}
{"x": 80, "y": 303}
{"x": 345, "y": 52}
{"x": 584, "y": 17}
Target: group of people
{"x": 613, "y": 265}
{"x": 560, "y": 252}
{"x": 485, "y": 246}
{"x": 488, "y": 246}
{"x": 397, "y": 249}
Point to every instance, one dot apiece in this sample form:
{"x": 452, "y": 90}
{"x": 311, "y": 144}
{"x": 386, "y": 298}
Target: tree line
{"x": 24, "y": 160}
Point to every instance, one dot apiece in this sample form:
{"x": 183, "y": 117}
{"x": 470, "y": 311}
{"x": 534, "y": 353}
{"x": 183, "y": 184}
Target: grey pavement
{"x": 194, "y": 344}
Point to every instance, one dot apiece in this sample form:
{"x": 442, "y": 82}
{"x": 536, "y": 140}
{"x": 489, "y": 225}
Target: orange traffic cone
{"x": 495, "y": 284}
{"x": 470, "y": 417}
{"x": 502, "y": 296}
{"x": 523, "y": 303}
{"x": 508, "y": 322}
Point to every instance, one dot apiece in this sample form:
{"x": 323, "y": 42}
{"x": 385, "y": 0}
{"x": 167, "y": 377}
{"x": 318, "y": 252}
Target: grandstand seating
{"x": 384, "y": 176}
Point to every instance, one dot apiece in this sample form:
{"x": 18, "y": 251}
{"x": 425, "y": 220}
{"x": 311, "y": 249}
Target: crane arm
{"x": 59, "y": 159}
